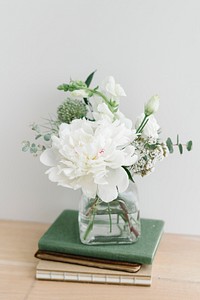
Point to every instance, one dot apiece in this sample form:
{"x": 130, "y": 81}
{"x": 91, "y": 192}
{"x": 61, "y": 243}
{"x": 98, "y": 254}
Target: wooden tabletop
{"x": 176, "y": 270}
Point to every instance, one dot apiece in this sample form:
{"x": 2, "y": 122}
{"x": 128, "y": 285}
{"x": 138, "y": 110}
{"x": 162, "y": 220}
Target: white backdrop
{"x": 148, "y": 46}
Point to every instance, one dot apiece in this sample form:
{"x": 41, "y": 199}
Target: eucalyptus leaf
{"x": 189, "y": 146}
{"x": 180, "y": 147}
{"x": 35, "y": 127}
{"x": 25, "y": 143}
{"x": 47, "y": 137}
{"x": 33, "y": 148}
{"x": 25, "y": 148}
{"x": 38, "y": 136}
{"x": 170, "y": 145}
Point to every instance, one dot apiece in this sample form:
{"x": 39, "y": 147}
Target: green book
{"x": 62, "y": 237}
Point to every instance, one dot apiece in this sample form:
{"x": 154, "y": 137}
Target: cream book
{"x": 50, "y": 270}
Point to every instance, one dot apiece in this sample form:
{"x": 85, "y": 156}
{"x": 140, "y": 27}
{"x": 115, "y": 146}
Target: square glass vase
{"x": 116, "y": 222}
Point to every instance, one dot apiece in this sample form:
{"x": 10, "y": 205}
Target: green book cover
{"x": 63, "y": 237}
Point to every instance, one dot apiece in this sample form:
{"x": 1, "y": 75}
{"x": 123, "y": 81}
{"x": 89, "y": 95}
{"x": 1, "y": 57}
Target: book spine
{"x": 66, "y": 276}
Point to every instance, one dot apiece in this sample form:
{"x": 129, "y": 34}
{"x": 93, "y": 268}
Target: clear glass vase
{"x": 116, "y": 222}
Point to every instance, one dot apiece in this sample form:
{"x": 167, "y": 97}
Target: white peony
{"x": 90, "y": 155}
{"x": 150, "y": 129}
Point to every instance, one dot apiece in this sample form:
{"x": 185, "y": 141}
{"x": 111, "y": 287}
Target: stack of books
{"x": 63, "y": 257}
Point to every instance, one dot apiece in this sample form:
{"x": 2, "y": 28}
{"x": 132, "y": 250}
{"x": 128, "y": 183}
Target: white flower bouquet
{"x": 91, "y": 145}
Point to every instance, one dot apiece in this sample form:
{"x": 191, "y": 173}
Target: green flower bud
{"x": 76, "y": 85}
{"x": 151, "y": 106}
{"x": 70, "y": 110}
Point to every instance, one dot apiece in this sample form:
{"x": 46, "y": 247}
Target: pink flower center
{"x": 101, "y": 151}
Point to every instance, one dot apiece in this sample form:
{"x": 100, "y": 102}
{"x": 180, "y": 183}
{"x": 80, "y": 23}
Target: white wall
{"x": 149, "y": 46}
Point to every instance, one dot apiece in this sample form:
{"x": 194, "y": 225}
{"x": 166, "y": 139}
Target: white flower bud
{"x": 79, "y": 93}
{"x": 151, "y": 106}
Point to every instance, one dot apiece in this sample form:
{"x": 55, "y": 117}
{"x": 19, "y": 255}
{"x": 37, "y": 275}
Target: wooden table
{"x": 176, "y": 270}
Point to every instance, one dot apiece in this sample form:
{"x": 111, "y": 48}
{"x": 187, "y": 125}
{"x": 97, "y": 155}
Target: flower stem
{"x": 101, "y": 95}
{"x": 91, "y": 211}
{"x": 110, "y": 218}
{"x": 142, "y": 125}
{"x": 132, "y": 228}
{"x": 93, "y": 206}
{"x": 112, "y": 109}
{"x": 89, "y": 227}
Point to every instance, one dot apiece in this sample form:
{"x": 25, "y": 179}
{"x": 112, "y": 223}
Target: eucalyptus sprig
{"x": 171, "y": 145}
{"x": 43, "y": 133}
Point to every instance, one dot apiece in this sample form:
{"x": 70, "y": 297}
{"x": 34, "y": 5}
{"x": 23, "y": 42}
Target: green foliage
{"x": 41, "y": 132}
{"x": 189, "y": 145}
{"x": 113, "y": 106}
{"x": 180, "y": 146}
{"x": 80, "y": 85}
{"x": 76, "y": 85}
{"x": 88, "y": 82}
{"x": 170, "y": 145}
{"x": 89, "y": 78}
{"x": 32, "y": 148}
{"x": 152, "y": 146}
{"x": 47, "y": 137}
{"x": 25, "y": 146}
{"x": 128, "y": 173}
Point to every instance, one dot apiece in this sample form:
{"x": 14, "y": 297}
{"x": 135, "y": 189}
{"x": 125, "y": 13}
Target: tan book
{"x": 89, "y": 261}
{"x": 51, "y": 270}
